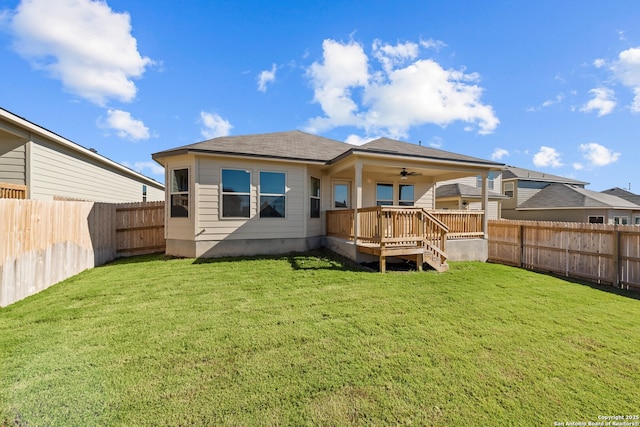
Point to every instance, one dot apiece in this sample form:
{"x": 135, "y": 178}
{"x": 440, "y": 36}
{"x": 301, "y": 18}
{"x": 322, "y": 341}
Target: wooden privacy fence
{"x": 601, "y": 253}
{"x": 45, "y": 242}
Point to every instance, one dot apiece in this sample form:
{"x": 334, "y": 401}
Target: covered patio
{"x": 384, "y": 201}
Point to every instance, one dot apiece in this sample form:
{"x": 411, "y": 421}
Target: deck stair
{"x": 401, "y": 232}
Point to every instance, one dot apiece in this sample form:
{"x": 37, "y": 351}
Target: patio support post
{"x": 358, "y": 201}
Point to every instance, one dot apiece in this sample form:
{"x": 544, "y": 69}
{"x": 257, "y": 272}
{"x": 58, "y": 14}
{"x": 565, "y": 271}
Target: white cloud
{"x": 627, "y": 70}
{"x": 499, "y": 154}
{"x": 433, "y": 44}
{"x": 578, "y": 166}
{"x": 599, "y": 63}
{"x": 214, "y": 125}
{"x": 393, "y": 99}
{"x": 392, "y": 56}
{"x": 83, "y": 43}
{"x": 603, "y": 101}
{"x": 598, "y": 155}
{"x": 125, "y": 126}
{"x": 436, "y": 142}
{"x": 358, "y": 140}
{"x": 547, "y": 156}
{"x": 145, "y": 167}
{"x": 266, "y": 77}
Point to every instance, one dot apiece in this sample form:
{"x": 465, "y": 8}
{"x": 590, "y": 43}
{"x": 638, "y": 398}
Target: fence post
{"x": 521, "y": 244}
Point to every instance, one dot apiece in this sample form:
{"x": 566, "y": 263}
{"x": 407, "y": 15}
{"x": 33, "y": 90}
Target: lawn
{"x": 310, "y": 340}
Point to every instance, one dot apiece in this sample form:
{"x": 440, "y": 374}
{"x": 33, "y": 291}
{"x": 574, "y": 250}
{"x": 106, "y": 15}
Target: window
{"x": 272, "y": 195}
{"x": 179, "y": 193}
{"x": 621, "y": 220}
{"x": 406, "y": 195}
{"x": 596, "y": 219}
{"x": 490, "y": 178}
{"x": 144, "y": 193}
{"x": 314, "y": 194}
{"x": 341, "y": 195}
{"x": 384, "y": 194}
{"x": 508, "y": 189}
{"x": 236, "y": 193}
{"x": 636, "y": 220}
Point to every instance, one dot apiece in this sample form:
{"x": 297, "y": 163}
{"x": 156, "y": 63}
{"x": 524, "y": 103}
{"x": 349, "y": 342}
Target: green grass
{"x": 309, "y": 340}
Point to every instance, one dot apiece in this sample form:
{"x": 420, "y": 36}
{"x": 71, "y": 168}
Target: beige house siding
{"x": 60, "y": 172}
{"x": 181, "y": 228}
{"x": 13, "y": 162}
{"x": 211, "y": 225}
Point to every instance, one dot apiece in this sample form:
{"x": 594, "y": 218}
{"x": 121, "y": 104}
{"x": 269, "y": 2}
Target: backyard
{"x": 312, "y": 340}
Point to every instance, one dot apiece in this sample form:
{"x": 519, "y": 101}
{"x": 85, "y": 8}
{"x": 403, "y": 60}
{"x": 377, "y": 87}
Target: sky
{"x": 552, "y": 86}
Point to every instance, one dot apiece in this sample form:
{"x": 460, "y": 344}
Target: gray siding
{"x": 13, "y": 162}
{"x": 59, "y": 172}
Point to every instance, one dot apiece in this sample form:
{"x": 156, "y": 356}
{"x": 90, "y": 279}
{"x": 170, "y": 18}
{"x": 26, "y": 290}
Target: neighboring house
{"x": 628, "y": 196}
{"x": 272, "y": 193}
{"x": 466, "y": 194}
{"x": 564, "y": 202}
{"x": 520, "y": 184}
{"x": 36, "y": 163}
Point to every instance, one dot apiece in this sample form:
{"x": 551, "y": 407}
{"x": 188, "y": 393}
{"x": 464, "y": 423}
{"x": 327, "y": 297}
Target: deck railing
{"x": 12, "y": 191}
{"x": 462, "y": 224}
{"x": 388, "y": 227}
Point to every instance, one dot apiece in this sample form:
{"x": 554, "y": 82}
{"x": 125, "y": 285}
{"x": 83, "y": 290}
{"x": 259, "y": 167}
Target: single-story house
{"x": 36, "y": 163}
{"x": 293, "y": 191}
{"x": 564, "y": 202}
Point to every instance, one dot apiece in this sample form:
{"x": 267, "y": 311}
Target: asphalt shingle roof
{"x": 511, "y": 172}
{"x": 392, "y": 146}
{"x": 297, "y": 145}
{"x": 284, "y": 145}
{"x": 569, "y": 196}
{"x": 464, "y": 190}
{"x": 624, "y": 194}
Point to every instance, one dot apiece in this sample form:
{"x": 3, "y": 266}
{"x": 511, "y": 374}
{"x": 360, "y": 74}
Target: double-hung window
{"x": 272, "y": 195}
{"x": 236, "y": 193}
{"x": 384, "y": 194}
{"x": 406, "y": 196}
{"x": 490, "y": 179}
{"x": 179, "y": 193}
{"x": 508, "y": 189}
{"x": 314, "y": 195}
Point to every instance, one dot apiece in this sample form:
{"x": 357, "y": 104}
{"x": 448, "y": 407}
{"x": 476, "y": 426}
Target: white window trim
{"x": 319, "y": 197}
{"x": 333, "y": 193}
{"x": 260, "y": 194}
{"x": 508, "y": 186}
{"x": 223, "y": 193}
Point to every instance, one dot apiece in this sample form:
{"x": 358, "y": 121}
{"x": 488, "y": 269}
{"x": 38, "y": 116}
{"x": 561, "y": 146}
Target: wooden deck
{"x": 12, "y": 191}
{"x": 403, "y": 232}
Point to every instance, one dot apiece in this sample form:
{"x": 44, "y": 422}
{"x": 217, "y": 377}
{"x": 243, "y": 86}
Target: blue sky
{"x": 547, "y": 85}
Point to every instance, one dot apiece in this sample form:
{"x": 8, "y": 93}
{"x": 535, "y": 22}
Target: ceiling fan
{"x": 404, "y": 174}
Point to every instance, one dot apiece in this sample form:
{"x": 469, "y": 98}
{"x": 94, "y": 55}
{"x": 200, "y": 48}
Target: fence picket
{"x": 601, "y": 253}
{"x": 45, "y": 242}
